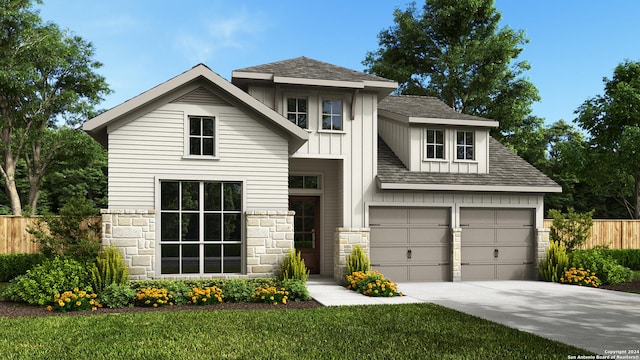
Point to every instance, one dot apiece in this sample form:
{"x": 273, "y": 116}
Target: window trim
{"x": 472, "y": 146}
{"x": 187, "y": 136}
{"x": 242, "y": 212}
{"x": 321, "y": 113}
{"x": 426, "y": 145}
{"x": 286, "y": 106}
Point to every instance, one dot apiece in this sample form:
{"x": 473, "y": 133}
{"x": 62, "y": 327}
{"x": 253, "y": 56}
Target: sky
{"x": 142, "y": 43}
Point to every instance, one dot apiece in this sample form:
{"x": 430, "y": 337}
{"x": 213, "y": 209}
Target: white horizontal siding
{"x": 152, "y": 146}
{"x": 397, "y": 136}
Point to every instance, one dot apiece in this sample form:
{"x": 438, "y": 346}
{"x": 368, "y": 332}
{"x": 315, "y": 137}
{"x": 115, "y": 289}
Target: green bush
{"x": 55, "y": 276}
{"x": 604, "y": 267}
{"x": 117, "y": 296}
{"x": 74, "y": 233}
{"x": 626, "y": 257}
{"x": 293, "y": 267}
{"x": 571, "y": 229}
{"x": 297, "y": 290}
{"x": 13, "y": 265}
{"x": 372, "y": 283}
{"x": 109, "y": 268}
{"x": 554, "y": 265}
{"x": 358, "y": 261}
{"x": 237, "y": 290}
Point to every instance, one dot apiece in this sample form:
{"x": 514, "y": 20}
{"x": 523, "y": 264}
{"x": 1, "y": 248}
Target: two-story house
{"x": 215, "y": 178}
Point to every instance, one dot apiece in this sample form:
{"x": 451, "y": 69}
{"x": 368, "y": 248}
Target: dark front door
{"x": 306, "y": 225}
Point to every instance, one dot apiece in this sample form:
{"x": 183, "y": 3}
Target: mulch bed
{"x": 10, "y": 309}
{"x": 630, "y": 286}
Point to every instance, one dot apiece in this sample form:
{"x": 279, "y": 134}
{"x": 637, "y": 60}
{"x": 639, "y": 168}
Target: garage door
{"x": 497, "y": 244}
{"x": 410, "y": 244}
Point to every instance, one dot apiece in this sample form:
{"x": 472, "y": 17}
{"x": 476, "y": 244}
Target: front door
{"x": 306, "y": 227}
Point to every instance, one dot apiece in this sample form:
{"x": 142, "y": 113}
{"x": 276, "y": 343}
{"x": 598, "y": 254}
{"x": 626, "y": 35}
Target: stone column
{"x": 269, "y": 239}
{"x": 542, "y": 244}
{"x": 344, "y": 241}
{"x": 133, "y": 232}
{"x": 456, "y": 254}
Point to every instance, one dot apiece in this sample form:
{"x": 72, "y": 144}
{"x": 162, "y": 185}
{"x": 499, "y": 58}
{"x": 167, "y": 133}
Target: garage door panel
{"x": 388, "y": 216}
{"x": 516, "y": 217}
{"x": 474, "y": 235}
{"x": 478, "y": 272}
{"x": 523, "y": 236}
{"x": 432, "y": 216}
{"x": 431, "y": 254}
{"x": 389, "y": 254}
{"x": 475, "y": 217}
{"x": 512, "y": 253}
{"x": 389, "y": 235}
{"x": 477, "y": 254}
{"x": 395, "y": 273}
{"x": 429, "y": 273}
{"x": 430, "y": 236}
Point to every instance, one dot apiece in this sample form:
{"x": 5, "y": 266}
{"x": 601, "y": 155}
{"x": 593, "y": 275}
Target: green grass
{"x": 416, "y": 331}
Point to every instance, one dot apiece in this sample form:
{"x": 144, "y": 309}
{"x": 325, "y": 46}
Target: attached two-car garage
{"x": 415, "y": 243}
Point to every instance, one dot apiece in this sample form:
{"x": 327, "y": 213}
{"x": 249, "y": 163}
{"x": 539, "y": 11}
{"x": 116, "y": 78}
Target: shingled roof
{"x": 507, "y": 172}
{"x": 306, "y": 68}
{"x": 412, "y": 106}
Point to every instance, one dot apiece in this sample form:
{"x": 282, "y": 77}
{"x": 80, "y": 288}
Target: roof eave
{"x": 470, "y": 188}
{"x": 437, "y": 121}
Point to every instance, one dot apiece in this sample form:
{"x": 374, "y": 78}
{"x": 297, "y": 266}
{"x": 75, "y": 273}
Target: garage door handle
{"x": 527, "y": 263}
{"x": 409, "y": 254}
{"x": 375, "y": 264}
{"x": 465, "y": 263}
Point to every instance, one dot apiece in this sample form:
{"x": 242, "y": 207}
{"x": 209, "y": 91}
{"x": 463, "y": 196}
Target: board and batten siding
{"x": 330, "y": 201}
{"x": 153, "y": 147}
{"x": 398, "y": 137}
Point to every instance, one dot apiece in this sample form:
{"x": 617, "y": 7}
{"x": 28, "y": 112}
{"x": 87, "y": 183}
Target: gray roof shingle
{"x": 423, "y": 107}
{"x": 306, "y": 68}
{"x": 505, "y": 169}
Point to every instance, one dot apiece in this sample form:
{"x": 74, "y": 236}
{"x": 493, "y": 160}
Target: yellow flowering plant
{"x": 372, "y": 283}
{"x": 153, "y": 297}
{"x": 75, "y": 300}
{"x": 271, "y": 295}
{"x": 580, "y": 277}
{"x": 205, "y": 296}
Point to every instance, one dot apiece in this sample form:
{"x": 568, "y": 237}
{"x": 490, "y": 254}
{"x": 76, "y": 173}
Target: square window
{"x": 202, "y": 136}
{"x": 297, "y": 111}
{"x": 332, "y": 114}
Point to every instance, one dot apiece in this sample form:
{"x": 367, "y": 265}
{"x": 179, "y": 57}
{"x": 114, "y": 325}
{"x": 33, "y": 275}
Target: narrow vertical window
{"x": 297, "y": 111}
{"x": 435, "y": 144}
{"x": 201, "y": 136}
{"x": 465, "y": 145}
{"x": 332, "y": 114}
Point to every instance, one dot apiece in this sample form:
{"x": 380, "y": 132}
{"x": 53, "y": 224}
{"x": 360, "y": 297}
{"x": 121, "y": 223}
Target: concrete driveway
{"x": 598, "y": 320}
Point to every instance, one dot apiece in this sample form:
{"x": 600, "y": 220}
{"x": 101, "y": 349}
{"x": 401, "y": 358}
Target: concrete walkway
{"x": 598, "y": 320}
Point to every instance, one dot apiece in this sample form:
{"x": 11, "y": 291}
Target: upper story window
{"x": 465, "y": 145}
{"x": 202, "y": 135}
{"x": 435, "y": 144}
{"x": 297, "y": 111}
{"x": 332, "y": 114}
{"x": 304, "y": 182}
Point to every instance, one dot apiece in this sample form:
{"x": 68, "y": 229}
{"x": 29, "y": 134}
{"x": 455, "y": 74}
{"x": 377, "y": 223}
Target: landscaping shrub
{"x": 293, "y": 267}
{"x": 580, "y": 277}
{"x": 297, "y": 290}
{"x": 13, "y": 265}
{"x": 109, "y": 268}
{"x": 75, "y": 300}
{"x": 358, "y": 261}
{"x": 53, "y": 276}
{"x": 237, "y": 290}
{"x": 604, "y": 267}
{"x": 271, "y": 295}
{"x": 117, "y": 296}
{"x": 153, "y": 297}
{"x": 372, "y": 283}
{"x": 178, "y": 289}
{"x": 554, "y": 265}
{"x": 626, "y": 257}
{"x": 571, "y": 229}
{"x": 75, "y": 233}
{"x": 206, "y": 296}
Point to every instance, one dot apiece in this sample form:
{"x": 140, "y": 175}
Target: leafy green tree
{"x": 612, "y": 122}
{"x": 454, "y": 50}
{"x": 47, "y": 77}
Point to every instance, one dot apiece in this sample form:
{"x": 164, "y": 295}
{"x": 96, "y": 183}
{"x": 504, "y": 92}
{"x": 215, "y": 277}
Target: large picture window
{"x": 434, "y": 144}
{"x": 200, "y": 227}
{"x": 332, "y": 114}
{"x": 464, "y": 145}
{"x": 202, "y": 136}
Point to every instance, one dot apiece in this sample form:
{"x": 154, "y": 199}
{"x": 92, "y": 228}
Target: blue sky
{"x": 573, "y": 44}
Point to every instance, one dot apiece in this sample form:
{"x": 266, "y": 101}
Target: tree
{"x": 47, "y": 77}
{"x": 612, "y": 121}
{"x": 454, "y": 50}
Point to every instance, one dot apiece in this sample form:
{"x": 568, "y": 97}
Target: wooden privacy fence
{"x": 617, "y": 234}
{"x": 14, "y": 237}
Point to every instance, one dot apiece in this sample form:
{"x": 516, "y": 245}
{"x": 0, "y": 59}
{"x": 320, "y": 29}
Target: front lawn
{"x": 386, "y": 332}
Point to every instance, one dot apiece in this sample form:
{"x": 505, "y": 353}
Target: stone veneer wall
{"x": 542, "y": 244}
{"x": 269, "y": 239}
{"x": 456, "y": 254}
{"x": 344, "y": 241}
{"x": 133, "y": 232}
